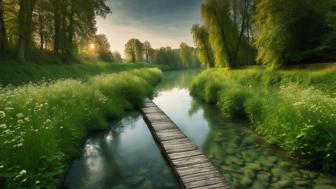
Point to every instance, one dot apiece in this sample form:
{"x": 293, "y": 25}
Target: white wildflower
{"x": 2, "y": 114}
{"x": 3, "y": 126}
{"x": 27, "y": 119}
{"x": 1, "y": 166}
{"x": 24, "y": 180}
{"x": 37, "y": 182}
{"x": 23, "y": 172}
{"x": 20, "y": 145}
{"x": 9, "y": 109}
{"x": 19, "y": 115}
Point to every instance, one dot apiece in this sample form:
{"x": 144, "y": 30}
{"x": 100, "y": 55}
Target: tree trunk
{"x": 56, "y": 26}
{"x": 222, "y": 31}
{"x": 3, "y": 36}
{"x": 41, "y": 31}
{"x": 242, "y": 29}
{"x": 25, "y": 28}
{"x": 22, "y": 26}
{"x": 71, "y": 29}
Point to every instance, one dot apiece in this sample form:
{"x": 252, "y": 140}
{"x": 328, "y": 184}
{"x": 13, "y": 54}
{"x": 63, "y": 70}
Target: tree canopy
{"x": 28, "y": 27}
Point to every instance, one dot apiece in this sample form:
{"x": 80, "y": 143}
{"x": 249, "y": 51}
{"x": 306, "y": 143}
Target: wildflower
{"x": 1, "y": 166}
{"x": 19, "y": 115}
{"x": 9, "y": 109}
{"x": 27, "y": 119}
{"x": 24, "y": 180}
{"x": 23, "y": 172}
{"x": 3, "y": 126}
{"x": 37, "y": 182}
{"x": 20, "y": 145}
{"x": 2, "y": 114}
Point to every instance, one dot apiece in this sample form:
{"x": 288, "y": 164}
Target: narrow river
{"x": 126, "y": 157}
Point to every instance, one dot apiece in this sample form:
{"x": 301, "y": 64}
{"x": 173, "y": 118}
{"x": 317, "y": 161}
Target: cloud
{"x": 162, "y": 22}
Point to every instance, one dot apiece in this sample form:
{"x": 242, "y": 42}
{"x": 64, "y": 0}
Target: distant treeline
{"x": 32, "y": 30}
{"x": 272, "y": 32}
{"x": 136, "y": 51}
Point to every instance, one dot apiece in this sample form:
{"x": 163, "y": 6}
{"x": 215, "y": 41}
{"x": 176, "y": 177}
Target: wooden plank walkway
{"x": 192, "y": 168}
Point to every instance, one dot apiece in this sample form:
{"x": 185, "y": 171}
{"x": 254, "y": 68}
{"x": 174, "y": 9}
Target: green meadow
{"x": 43, "y": 125}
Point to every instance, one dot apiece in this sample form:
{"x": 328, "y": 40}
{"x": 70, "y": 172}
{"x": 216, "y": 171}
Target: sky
{"x": 161, "y": 22}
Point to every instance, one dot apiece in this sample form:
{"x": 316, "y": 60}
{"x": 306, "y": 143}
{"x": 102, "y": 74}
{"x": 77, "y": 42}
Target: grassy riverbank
{"x": 293, "y": 109}
{"x": 42, "y": 125}
{"x": 18, "y": 74}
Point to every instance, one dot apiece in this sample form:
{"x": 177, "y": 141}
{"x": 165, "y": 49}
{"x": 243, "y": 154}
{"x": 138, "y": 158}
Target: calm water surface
{"x": 127, "y": 157}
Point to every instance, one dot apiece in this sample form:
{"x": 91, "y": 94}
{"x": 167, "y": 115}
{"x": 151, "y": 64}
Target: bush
{"x": 42, "y": 125}
{"x": 293, "y": 109}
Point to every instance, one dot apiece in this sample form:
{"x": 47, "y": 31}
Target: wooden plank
{"x": 192, "y": 168}
{"x": 184, "y": 154}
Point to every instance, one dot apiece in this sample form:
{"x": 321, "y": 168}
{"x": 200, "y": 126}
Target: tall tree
{"x": 148, "y": 51}
{"x": 25, "y": 27}
{"x": 117, "y": 57}
{"x": 203, "y": 48}
{"x": 295, "y": 31}
{"x": 3, "y": 36}
{"x": 216, "y": 18}
{"x": 186, "y": 55}
{"x": 134, "y": 50}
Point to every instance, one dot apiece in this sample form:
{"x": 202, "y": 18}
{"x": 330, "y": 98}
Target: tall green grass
{"x": 18, "y": 74}
{"x": 42, "y": 125}
{"x": 293, "y": 109}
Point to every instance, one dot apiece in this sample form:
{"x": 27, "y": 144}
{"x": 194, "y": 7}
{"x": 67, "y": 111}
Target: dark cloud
{"x": 168, "y": 19}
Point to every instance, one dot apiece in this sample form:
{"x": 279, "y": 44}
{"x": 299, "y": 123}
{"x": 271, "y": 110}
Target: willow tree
{"x": 186, "y": 55}
{"x": 225, "y": 34}
{"x": 203, "y": 49}
{"x": 134, "y": 50}
{"x": 296, "y": 31}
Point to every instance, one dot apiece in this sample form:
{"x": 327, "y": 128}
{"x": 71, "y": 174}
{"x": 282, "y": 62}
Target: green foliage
{"x": 167, "y": 56}
{"x": 203, "y": 48}
{"x": 42, "y": 125}
{"x": 293, "y": 109}
{"x": 18, "y": 74}
{"x": 297, "y": 31}
{"x": 228, "y": 35}
{"x": 134, "y": 51}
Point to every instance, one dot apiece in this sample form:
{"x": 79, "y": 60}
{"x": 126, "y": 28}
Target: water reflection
{"x": 242, "y": 156}
{"x": 125, "y": 157}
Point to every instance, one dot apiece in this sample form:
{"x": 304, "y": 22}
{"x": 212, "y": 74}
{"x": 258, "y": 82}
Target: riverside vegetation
{"x": 293, "y": 109}
{"x": 42, "y": 125}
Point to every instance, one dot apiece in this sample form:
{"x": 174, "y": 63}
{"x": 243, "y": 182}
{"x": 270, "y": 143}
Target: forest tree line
{"x": 275, "y": 33}
{"x": 137, "y": 51}
{"x": 61, "y": 28}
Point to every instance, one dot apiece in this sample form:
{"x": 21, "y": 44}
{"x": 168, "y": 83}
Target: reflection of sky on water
{"x": 126, "y": 156}
{"x": 176, "y": 104}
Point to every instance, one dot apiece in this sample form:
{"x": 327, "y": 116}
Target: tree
{"x": 117, "y": 57}
{"x": 148, "y": 50}
{"x": 167, "y": 56}
{"x": 226, "y": 22}
{"x": 134, "y": 50}
{"x": 102, "y": 47}
{"x": 25, "y": 27}
{"x": 203, "y": 48}
{"x": 295, "y": 31}
{"x": 186, "y": 55}
{"x": 3, "y": 36}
